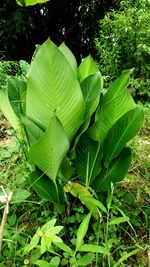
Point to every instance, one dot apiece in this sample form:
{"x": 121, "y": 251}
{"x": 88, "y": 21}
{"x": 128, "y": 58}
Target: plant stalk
{"x": 4, "y": 218}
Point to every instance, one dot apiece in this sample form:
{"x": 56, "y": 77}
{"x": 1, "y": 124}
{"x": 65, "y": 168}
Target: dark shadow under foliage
{"x": 72, "y": 21}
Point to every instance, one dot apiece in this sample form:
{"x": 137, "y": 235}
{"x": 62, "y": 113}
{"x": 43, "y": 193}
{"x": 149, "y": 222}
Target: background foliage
{"x": 74, "y": 22}
{"x": 124, "y": 42}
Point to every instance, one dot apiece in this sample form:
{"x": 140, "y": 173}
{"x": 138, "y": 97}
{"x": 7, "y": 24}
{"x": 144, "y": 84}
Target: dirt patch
{"x": 5, "y": 139}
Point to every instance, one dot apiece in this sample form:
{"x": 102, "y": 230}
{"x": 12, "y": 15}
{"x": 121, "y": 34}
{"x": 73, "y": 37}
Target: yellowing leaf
{"x": 79, "y": 191}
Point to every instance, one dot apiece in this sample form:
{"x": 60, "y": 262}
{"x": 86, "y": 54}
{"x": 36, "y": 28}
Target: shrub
{"x": 71, "y": 127}
{"x": 123, "y": 42}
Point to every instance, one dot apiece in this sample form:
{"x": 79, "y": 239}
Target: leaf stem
{"x": 98, "y": 244}
{"x": 57, "y": 192}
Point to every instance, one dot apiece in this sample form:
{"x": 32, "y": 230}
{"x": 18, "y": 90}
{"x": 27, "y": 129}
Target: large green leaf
{"x": 49, "y": 151}
{"x": 115, "y": 103}
{"x": 69, "y": 56}
{"x": 45, "y": 188}
{"x": 53, "y": 88}
{"x": 30, "y": 2}
{"x": 115, "y": 173}
{"x": 88, "y": 159}
{"x": 91, "y": 88}
{"x": 66, "y": 170}
{"x": 7, "y": 110}
{"x": 86, "y": 68}
{"x": 16, "y": 89}
{"x": 33, "y": 131}
{"x": 121, "y": 132}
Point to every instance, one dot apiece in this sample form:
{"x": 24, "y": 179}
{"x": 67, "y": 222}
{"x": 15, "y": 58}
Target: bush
{"x": 123, "y": 43}
{"x": 12, "y": 68}
{"x": 8, "y": 68}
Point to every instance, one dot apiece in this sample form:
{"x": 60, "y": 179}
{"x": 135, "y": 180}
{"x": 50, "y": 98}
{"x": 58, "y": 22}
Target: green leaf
{"x": 88, "y": 159}
{"x": 56, "y": 239}
{"x": 24, "y": 65}
{"x": 95, "y": 202}
{"x": 50, "y": 150}
{"x": 43, "y": 244}
{"x": 16, "y": 88}
{"x": 34, "y": 241}
{"x": 33, "y": 131}
{"x": 126, "y": 256}
{"x": 54, "y": 230}
{"x": 82, "y": 231}
{"x": 66, "y": 169}
{"x": 118, "y": 86}
{"x": 45, "y": 188}
{"x": 86, "y": 68}
{"x": 55, "y": 261}
{"x": 86, "y": 259}
{"x": 7, "y": 110}
{"x": 83, "y": 128}
{"x": 115, "y": 103}
{"x": 48, "y": 225}
{"x": 42, "y": 263}
{"x": 64, "y": 247}
{"x": 12, "y": 220}
{"x": 116, "y": 172}
{"x": 121, "y": 132}
{"x": 91, "y": 88}
{"x": 48, "y": 242}
{"x": 119, "y": 220}
{"x": 54, "y": 89}
{"x": 20, "y": 195}
{"x": 94, "y": 249}
{"x": 69, "y": 56}
{"x": 30, "y": 2}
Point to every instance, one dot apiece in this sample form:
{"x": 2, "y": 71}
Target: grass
{"x": 141, "y": 149}
{"x": 132, "y": 197}
{"x": 12, "y": 161}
